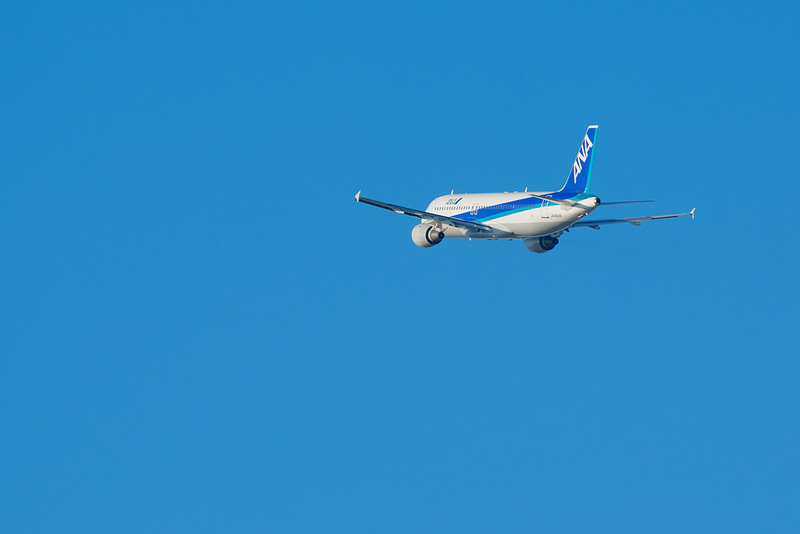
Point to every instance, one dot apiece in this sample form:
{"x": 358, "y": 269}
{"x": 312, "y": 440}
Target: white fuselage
{"x": 513, "y": 215}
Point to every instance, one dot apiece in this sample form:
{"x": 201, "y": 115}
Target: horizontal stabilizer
{"x": 563, "y": 202}
{"x": 625, "y": 202}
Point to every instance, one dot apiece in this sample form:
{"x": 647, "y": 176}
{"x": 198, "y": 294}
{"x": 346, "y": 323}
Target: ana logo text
{"x": 580, "y": 159}
{"x": 455, "y": 201}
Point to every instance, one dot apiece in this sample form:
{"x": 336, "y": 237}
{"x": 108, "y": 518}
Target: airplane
{"x": 536, "y": 218}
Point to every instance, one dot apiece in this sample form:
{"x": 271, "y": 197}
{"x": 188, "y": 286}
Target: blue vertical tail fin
{"x": 581, "y": 172}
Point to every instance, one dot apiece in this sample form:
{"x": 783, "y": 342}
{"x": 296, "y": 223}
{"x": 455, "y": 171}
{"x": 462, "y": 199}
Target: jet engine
{"x": 540, "y": 245}
{"x": 425, "y": 235}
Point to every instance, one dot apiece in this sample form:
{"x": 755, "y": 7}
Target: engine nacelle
{"x": 425, "y": 235}
{"x": 540, "y": 245}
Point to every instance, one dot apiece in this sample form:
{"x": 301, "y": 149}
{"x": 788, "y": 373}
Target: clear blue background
{"x": 202, "y": 331}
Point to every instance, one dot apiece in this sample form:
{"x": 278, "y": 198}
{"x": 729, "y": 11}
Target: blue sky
{"x": 202, "y": 331}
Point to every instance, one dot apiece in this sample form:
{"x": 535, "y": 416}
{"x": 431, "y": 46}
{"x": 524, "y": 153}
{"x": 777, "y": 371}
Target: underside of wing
{"x": 636, "y": 221}
{"x": 442, "y": 219}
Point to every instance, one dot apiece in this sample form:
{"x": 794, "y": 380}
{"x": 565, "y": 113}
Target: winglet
{"x": 692, "y": 212}
{"x": 358, "y": 196}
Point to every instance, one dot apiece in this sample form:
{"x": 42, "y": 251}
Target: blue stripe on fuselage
{"x": 504, "y": 209}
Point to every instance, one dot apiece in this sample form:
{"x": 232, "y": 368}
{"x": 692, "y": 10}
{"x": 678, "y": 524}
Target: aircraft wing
{"x": 449, "y": 221}
{"x": 632, "y": 220}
